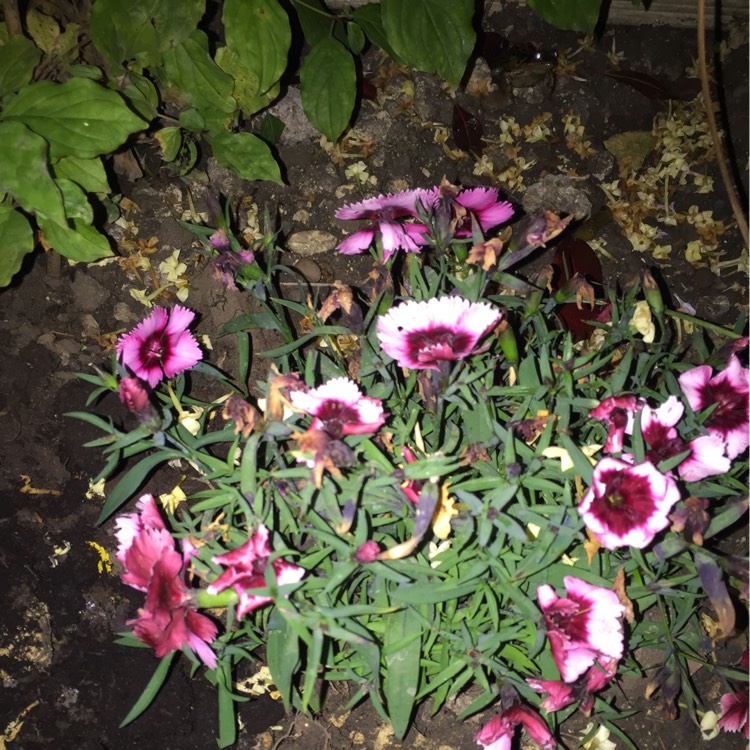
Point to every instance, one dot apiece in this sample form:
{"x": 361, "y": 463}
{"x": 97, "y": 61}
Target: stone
{"x": 311, "y": 242}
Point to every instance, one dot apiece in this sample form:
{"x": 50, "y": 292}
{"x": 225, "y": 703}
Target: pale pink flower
{"x": 627, "y": 505}
{"x": 340, "y": 408}
{"x": 421, "y": 335}
{"x": 730, "y": 392}
{"x": 384, "y": 213}
{"x": 245, "y": 569}
{"x": 498, "y": 732}
{"x": 582, "y": 627}
{"x": 160, "y": 345}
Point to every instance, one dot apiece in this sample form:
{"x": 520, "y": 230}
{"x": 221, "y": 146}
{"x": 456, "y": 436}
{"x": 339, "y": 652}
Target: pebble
{"x": 311, "y": 242}
{"x": 309, "y": 269}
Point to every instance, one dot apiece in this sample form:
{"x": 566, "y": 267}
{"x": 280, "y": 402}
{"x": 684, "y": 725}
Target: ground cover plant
{"x": 436, "y": 488}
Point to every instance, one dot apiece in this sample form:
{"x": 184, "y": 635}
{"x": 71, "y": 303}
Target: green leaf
{"x": 271, "y": 128}
{"x": 88, "y": 173}
{"x": 16, "y": 240}
{"x": 315, "y": 19}
{"x": 259, "y": 32}
{"x": 76, "y": 203}
{"x": 142, "y": 29}
{"x": 247, "y": 155}
{"x": 578, "y": 15}
{"x": 18, "y": 58}
{"x": 77, "y": 118}
{"x": 43, "y": 29}
{"x": 170, "y": 141}
{"x": 402, "y": 651}
{"x": 141, "y": 93}
{"x": 24, "y": 171}
{"x": 78, "y": 242}
{"x": 355, "y": 38}
{"x": 282, "y": 654}
{"x": 314, "y": 657}
{"x": 370, "y": 20}
{"x": 151, "y": 690}
{"x": 200, "y": 80}
{"x": 328, "y": 86}
{"x": 246, "y": 83}
{"x": 192, "y": 119}
{"x": 435, "y": 36}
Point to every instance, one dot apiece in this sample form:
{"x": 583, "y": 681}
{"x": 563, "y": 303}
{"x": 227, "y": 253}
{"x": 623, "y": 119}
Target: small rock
{"x": 88, "y": 294}
{"x": 124, "y": 314}
{"x": 309, "y": 269}
{"x": 556, "y": 193}
{"x": 311, "y": 242}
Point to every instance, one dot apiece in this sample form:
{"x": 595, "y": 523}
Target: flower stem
{"x": 204, "y": 600}
{"x": 704, "y": 324}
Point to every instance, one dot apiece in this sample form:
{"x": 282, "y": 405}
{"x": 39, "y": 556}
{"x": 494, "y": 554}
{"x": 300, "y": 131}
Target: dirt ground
{"x": 66, "y": 683}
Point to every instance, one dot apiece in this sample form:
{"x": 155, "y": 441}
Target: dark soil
{"x": 66, "y": 683}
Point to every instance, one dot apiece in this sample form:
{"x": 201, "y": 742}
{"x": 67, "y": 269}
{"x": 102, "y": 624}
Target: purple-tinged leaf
{"x": 467, "y": 131}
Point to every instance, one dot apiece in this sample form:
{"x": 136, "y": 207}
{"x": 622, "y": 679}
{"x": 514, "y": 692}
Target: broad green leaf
{"x": 18, "y": 58}
{"x": 271, "y": 128}
{"x": 192, "y": 119}
{"x": 78, "y": 242}
{"x": 431, "y": 35}
{"x": 142, "y": 29}
{"x": 170, "y": 141}
{"x": 259, "y": 32}
{"x": 200, "y": 80}
{"x": 88, "y": 173}
{"x": 317, "y": 22}
{"x": 77, "y": 118}
{"x": 355, "y": 38}
{"x": 16, "y": 240}
{"x": 141, "y": 93}
{"x": 328, "y": 84}
{"x": 24, "y": 171}
{"x": 578, "y": 15}
{"x": 370, "y": 20}
{"x": 76, "y": 203}
{"x": 402, "y": 650}
{"x": 246, "y": 83}
{"x": 247, "y": 155}
{"x": 43, "y": 29}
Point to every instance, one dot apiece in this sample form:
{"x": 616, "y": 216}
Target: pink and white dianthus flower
{"x": 707, "y": 453}
{"x": 734, "y": 711}
{"x": 582, "y": 627}
{"x": 168, "y": 620}
{"x": 618, "y": 412}
{"x": 484, "y": 204}
{"x": 626, "y": 504}
{"x": 730, "y": 391}
{"x": 245, "y": 569}
{"x": 160, "y": 345}
{"x": 421, "y": 335}
{"x": 498, "y": 732}
{"x": 561, "y": 694}
{"x": 384, "y": 212}
{"x": 340, "y": 408}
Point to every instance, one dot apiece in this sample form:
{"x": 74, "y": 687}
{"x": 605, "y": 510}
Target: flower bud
{"x": 367, "y": 552}
{"x": 135, "y": 398}
{"x": 653, "y": 293}
{"x": 508, "y": 342}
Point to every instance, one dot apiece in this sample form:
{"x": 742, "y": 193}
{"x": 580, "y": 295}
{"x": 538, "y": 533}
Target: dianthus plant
{"x": 428, "y": 487}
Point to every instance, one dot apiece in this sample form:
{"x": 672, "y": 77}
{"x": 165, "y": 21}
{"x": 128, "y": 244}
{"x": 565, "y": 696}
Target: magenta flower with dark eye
{"x": 421, "y": 335}
{"x": 627, "y": 505}
{"x": 582, "y": 627}
{"x": 618, "y": 412}
{"x": 498, "y": 732}
{"x": 168, "y": 620}
{"x": 160, "y": 346}
{"x": 245, "y": 569}
{"x": 340, "y": 408}
{"x": 730, "y": 392}
{"x": 383, "y": 212}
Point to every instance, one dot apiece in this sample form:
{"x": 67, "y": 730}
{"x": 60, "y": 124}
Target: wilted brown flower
{"x": 321, "y": 452}
{"x": 486, "y": 253}
{"x": 245, "y": 416}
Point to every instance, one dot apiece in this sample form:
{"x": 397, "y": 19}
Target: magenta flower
{"x": 734, "y": 712}
{"x": 582, "y": 627}
{"x": 498, "y": 732}
{"x": 707, "y": 457}
{"x": 135, "y": 397}
{"x": 160, "y": 345}
{"x": 245, "y": 569}
{"x": 730, "y": 391}
{"x": 421, "y": 335}
{"x": 627, "y": 505}
{"x": 561, "y": 694}
{"x": 483, "y": 203}
{"x": 383, "y": 212}
{"x": 340, "y": 408}
{"x": 168, "y": 620}
{"x": 618, "y": 412}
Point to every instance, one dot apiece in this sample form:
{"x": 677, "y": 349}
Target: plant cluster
{"x": 435, "y": 489}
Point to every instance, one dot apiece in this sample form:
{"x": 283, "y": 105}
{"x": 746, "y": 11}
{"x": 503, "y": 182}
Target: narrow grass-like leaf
{"x": 151, "y": 690}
